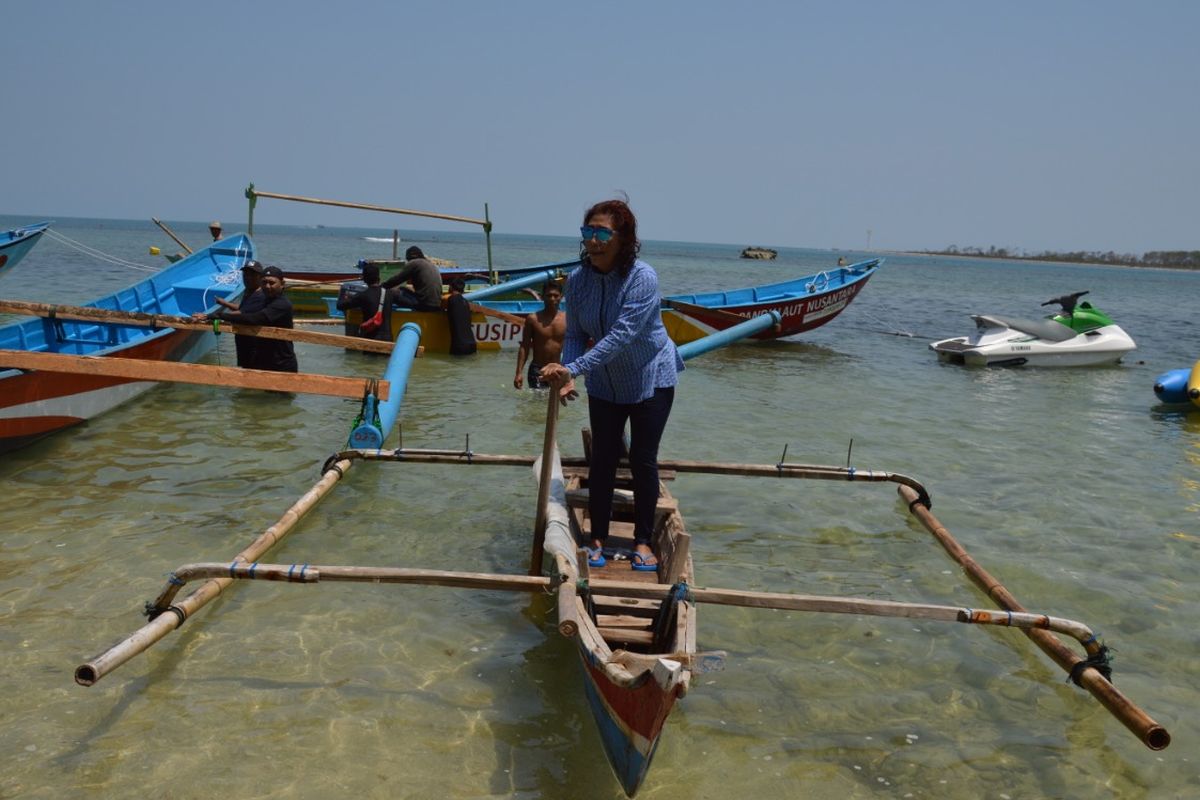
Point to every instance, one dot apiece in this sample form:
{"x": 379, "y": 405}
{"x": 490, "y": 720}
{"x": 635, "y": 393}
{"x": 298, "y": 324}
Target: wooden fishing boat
{"x": 636, "y": 654}
{"x": 35, "y": 403}
{"x": 802, "y": 303}
{"x": 16, "y": 243}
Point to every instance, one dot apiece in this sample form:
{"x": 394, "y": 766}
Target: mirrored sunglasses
{"x": 600, "y": 234}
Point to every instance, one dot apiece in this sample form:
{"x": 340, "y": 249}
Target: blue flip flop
{"x": 596, "y": 557}
{"x": 639, "y": 563}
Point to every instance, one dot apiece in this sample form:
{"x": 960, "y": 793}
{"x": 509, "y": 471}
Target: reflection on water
{"x": 1070, "y": 486}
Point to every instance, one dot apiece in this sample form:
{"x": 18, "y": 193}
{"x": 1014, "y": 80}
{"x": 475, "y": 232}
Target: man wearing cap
{"x": 253, "y": 299}
{"x": 426, "y": 279}
{"x": 276, "y": 355}
{"x": 214, "y": 228}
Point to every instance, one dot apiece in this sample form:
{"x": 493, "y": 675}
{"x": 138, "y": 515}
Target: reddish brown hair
{"x": 625, "y": 226}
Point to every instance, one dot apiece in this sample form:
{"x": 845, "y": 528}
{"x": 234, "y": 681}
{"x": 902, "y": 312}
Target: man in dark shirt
{"x": 426, "y": 279}
{"x": 276, "y": 355}
{"x": 369, "y": 301}
{"x": 253, "y": 299}
{"x": 458, "y": 314}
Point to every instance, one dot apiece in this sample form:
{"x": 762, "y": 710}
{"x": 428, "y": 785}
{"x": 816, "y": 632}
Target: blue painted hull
{"x": 16, "y": 243}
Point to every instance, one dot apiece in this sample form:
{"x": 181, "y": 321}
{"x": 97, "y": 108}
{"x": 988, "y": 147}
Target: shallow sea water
{"x": 1072, "y": 487}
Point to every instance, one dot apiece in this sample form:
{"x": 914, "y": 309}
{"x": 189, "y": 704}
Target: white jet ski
{"x": 1080, "y": 335}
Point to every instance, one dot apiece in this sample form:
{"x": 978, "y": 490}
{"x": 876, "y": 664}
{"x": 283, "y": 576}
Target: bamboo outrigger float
{"x": 637, "y": 636}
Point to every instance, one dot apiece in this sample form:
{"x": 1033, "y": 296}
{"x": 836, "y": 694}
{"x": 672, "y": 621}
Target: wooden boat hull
{"x": 632, "y": 653}
{"x": 16, "y": 243}
{"x": 687, "y": 318}
{"x": 35, "y": 404}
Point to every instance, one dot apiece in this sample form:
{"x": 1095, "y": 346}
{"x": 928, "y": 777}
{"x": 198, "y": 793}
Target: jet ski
{"x": 1077, "y": 336}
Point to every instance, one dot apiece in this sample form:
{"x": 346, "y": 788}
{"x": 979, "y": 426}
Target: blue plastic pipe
{"x": 721, "y": 338}
{"x": 366, "y": 436}
{"x": 536, "y": 279}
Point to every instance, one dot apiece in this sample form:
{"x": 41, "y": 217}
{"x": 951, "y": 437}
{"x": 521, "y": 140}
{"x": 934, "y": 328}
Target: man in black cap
{"x": 426, "y": 294}
{"x": 276, "y": 355}
{"x": 253, "y": 299}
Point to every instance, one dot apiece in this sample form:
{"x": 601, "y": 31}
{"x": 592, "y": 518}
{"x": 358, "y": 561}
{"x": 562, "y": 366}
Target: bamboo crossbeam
{"x": 144, "y": 320}
{"x": 781, "y": 470}
{"x": 296, "y": 573}
{"x": 141, "y": 369}
{"x": 1152, "y": 734}
{"x": 369, "y": 207}
{"x": 162, "y": 623}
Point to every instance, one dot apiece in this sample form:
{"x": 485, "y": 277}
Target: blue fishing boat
{"x": 16, "y": 243}
{"x": 35, "y": 403}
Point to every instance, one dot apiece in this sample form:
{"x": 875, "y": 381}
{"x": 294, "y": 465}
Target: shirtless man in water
{"x": 543, "y": 337}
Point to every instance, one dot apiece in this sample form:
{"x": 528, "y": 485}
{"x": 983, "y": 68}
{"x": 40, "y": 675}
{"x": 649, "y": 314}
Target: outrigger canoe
{"x": 16, "y": 243}
{"x": 35, "y": 403}
{"x": 802, "y": 303}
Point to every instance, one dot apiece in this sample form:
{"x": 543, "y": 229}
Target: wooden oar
{"x": 171, "y": 233}
{"x": 1152, "y": 734}
{"x": 140, "y": 369}
{"x": 548, "y": 446}
{"x": 295, "y": 573}
{"x": 138, "y": 318}
{"x": 491, "y": 312}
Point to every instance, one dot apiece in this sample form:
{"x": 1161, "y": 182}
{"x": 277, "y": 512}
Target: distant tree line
{"x": 1172, "y": 259}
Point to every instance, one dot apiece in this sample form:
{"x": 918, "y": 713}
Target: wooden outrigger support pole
{"x": 163, "y": 623}
{"x": 253, "y": 194}
{"x": 1083, "y": 672}
{"x": 310, "y": 573}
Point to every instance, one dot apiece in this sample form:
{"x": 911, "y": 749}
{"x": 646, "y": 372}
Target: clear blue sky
{"x": 1061, "y": 125}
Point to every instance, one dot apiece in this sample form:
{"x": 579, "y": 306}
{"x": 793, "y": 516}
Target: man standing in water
{"x": 542, "y": 336}
{"x": 276, "y": 355}
{"x": 253, "y": 299}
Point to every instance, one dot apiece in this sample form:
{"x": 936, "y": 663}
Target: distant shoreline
{"x": 1187, "y": 261}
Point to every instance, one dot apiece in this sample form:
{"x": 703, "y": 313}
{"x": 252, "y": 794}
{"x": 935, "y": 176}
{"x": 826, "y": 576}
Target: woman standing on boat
{"x": 631, "y": 369}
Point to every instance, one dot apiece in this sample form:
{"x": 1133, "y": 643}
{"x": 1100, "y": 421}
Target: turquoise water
{"x": 1072, "y": 487}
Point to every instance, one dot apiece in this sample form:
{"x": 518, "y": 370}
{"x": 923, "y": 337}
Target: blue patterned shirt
{"x": 632, "y": 355}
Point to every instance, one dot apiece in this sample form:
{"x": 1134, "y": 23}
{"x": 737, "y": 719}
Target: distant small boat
{"x": 16, "y": 243}
{"x": 761, "y": 253}
{"x": 35, "y": 403}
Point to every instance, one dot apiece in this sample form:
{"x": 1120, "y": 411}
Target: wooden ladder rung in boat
{"x": 626, "y": 636}
{"x": 623, "y": 475}
{"x": 623, "y": 501}
{"x": 623, "y": 621}
{"x": 606, "y": 604}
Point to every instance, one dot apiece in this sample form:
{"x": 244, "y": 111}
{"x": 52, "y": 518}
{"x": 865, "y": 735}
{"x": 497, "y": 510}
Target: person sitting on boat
{"x": 542, "y": 337}
{"x": 458, "y": 314}
{"x": 253, "y": 299}
{"x": 214, "y": 229}
{"x": 372, "y": 301}
{"x": 426, "y": 280}
{"x": 276, "y": 355}
{"x": 631, "y": 370}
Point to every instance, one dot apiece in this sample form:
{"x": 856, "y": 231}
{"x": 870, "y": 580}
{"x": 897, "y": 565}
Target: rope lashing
{"x": 1101, "y": 661}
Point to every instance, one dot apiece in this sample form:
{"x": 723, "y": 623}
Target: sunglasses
{"x": 598, "y": 233}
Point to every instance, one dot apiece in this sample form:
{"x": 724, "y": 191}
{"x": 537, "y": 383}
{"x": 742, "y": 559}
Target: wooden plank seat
{"x": 623, "y": 474}
{"x": 623, "y": 502}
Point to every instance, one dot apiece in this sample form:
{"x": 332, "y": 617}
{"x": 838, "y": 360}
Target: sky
{"x": 894, "y": 125}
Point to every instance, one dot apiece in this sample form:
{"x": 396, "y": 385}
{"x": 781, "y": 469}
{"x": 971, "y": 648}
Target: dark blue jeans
{"x": 647, "y": 420}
